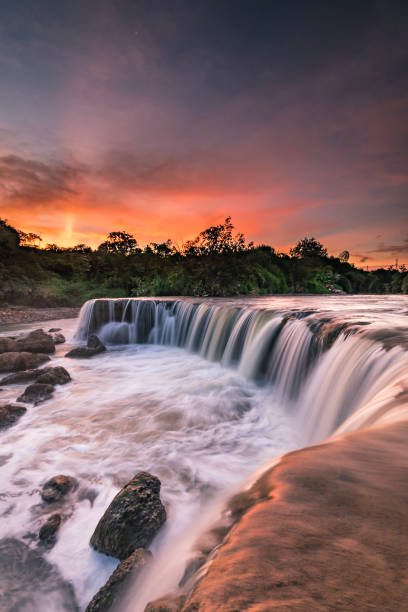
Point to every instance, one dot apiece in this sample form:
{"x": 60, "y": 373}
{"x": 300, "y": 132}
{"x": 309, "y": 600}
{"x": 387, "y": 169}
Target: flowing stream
{"x": 201, "y": 393}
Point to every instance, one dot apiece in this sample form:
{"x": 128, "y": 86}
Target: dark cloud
{"x": 392, "y": 249}
{"x": 30, "y": 181}
{"x": 362, "y": 258}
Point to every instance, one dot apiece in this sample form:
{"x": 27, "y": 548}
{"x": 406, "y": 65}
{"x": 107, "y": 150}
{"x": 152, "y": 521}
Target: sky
{"x": 163, "y": 117}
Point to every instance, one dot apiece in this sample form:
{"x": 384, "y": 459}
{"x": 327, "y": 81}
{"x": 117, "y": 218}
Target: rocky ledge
{"x": 323, "y": 530}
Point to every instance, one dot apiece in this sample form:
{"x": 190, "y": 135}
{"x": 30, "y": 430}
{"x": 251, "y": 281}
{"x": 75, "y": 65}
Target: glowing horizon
{"x": 164, "y": 121}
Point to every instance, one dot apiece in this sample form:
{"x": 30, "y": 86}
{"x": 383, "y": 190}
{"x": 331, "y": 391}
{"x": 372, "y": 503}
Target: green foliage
{"x": 216, "y": 263}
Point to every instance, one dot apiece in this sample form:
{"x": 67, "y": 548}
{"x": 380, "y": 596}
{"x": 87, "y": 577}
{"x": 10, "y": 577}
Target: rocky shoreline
{"x": 10, "y": 314}
{"x": 325, "y": 529}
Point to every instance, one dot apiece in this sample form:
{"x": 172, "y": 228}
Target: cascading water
{"x": 201, "y": 393}
{"x": 324, "y": 367}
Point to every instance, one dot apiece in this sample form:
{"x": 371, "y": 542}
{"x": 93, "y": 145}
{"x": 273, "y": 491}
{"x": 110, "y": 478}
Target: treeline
{"x": 218, "y": 262}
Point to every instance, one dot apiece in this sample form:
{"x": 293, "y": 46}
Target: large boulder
{"x": 94, "y": 347}
{"x": 107, "y": 597}
{"x": 15, "y": 362}
{"x": 8, "y": 345}
{"x": 36, "y": 393}
{"x": 29, "y": 583}
{"x": 132, "y": 519}
{"x": 9, "y": 414}
{"x": 57, "y": 487}
{"x": 51, "y": 376}
{"x": 37, "y": 341}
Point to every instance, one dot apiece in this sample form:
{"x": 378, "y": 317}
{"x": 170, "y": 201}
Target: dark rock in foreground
{"x": 36, "y": 393}
{"x": 109, "y": 594}
{"x": 52, "y": 376}
{"x": 54, "y": 329}
{"x": 94, "y": 347}
{"x": 9, "y": 414}
{"x": 171, "y": 603}
{"x": 57, "y": 487}
{"x": 30, "y": 583}
{"x": 48, "y": 531}
{"x": 15, "y": 362}
{"x": 37, "y": 341}
{"x": 132, "y": 519}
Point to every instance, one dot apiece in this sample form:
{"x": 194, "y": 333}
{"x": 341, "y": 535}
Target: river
{"x": 201, "y": 393}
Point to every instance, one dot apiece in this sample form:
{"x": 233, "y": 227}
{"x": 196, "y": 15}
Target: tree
{"x": 29, "y": 239}
{"x": 344, "y": 256}
{"x": 308, "y": 247}
{"x": 9, "y": 238}
{"x": 163, "y": 249}
{"x": 119, "y": 243}
{"x": 81, "y": 248}
{"x": 217, "y": 240}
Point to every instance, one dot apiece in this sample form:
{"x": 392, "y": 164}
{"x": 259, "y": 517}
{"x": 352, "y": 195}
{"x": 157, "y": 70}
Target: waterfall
{"x": 328, "y": 371}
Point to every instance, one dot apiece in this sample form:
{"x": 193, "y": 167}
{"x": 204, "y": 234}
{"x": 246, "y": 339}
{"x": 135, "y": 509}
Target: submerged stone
{"x": 132, "y": 519}
{"x": 94, "y": 347}
{"x": 30, "y": 583}
{"x": 49, "y": 529}
{"x": 36, "y": 393}
{"x": 109, "y": 594}
{"x": 9, "y": 414}
{"x": 57, "y": 487}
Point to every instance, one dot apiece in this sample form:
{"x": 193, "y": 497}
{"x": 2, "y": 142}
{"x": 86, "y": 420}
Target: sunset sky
{"x": 162, "y": 117}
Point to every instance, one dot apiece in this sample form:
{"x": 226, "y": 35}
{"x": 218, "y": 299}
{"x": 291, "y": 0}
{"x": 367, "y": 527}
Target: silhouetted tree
{"x": 308, "y": 247}
{"x": 344, "y": 256}
{"x": 119, "y": 243}
{"x": 29, "y": 239}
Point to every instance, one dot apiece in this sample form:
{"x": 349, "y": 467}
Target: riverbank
{"x": 323, "y": 530}
{"x": 25, "y": 314}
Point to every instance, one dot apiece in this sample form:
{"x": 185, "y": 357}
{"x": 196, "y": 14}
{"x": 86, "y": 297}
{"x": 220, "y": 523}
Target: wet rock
{"x": 109, "y": 594}
{"x": 94, "y": 347}
{"x": 19, "y": 377}
{"x": 33, "y": 360}
{"x": 36, "y": 393}
{"x": 15, "y": 362}
{"x": 8, "y": 345}
{"x": 37, "y": 341}
{"x": 9, "y": 414}
{"x": 191, "y": 568}
{"x": 30, "y": 583}
{"x": 11, "y": 362}
{"x": 58, "y": 338}
{"x": 48, "y": 531}
{"x": 54, "y": 329}
{"x": 132, "y": 519}
{"x": 170, "y": 603}
{"x": 51, "y": 376}
{"x": 56, "y": 488}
